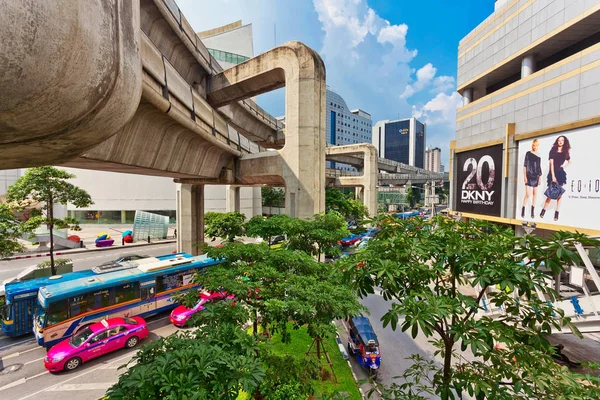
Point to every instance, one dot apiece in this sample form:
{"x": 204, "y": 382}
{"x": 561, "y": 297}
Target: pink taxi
{"x": 181, "y": 314}
{"x": 95, "y": 340}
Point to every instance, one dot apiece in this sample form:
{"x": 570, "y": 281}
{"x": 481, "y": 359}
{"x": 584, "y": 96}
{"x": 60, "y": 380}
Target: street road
{"x": 86, "y": 260}
{"x": 23, "y": 376}
{"x": 395, "y": 346}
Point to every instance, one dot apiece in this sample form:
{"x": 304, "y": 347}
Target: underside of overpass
{"x": 128, "y": 86}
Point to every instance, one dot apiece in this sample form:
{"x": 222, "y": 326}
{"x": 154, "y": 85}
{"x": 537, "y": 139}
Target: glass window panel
{"x": 127, "y": 292}
{"x": 57, "y": 312}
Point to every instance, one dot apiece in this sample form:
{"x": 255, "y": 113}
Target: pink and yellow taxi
{"x": 181, "y": 314}
{"x": 95, "y": 340}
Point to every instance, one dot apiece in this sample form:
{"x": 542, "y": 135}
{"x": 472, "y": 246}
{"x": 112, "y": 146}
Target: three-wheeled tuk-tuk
{"x": 363, "y": 344}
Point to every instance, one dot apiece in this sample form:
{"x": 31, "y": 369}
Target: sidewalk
{"x": 88, "y": 234}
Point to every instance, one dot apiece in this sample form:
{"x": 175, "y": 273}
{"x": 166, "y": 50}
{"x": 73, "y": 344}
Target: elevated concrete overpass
{"x": 127, "y": 86}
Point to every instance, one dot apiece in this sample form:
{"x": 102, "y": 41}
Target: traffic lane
{"x": 34, "y": 381}
{"x": 87, "y": 260}
{"x": 395, "y": 346}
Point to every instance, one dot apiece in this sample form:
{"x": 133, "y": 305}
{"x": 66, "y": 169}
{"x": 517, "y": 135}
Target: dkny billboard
{"x": 479, "y": 184}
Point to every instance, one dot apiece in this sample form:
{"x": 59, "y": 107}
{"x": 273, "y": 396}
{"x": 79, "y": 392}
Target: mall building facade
{"x": 526, "y": 150}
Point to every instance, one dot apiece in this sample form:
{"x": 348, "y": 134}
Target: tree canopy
{"x": 344, "y": 204}
{"x": 11, "y": 230}
{"x": 421, "y": 266}
{"x": 50, "y": 186}
{"x": 226, "y": 226}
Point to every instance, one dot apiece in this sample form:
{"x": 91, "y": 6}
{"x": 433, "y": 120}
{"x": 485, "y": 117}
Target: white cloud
{"x": 439, "y": 110}
{"x": 443, "y": 84}
{"x": 424, "y": 77}
{"x": 394, "y": 34}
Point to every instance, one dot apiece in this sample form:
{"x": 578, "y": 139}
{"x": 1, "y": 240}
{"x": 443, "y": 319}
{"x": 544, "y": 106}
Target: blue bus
{"x": 20, "y": 297}
{"x": 408, "y": 214}
{"x": 17, "y": 313}
{"x": 64, "y": 308}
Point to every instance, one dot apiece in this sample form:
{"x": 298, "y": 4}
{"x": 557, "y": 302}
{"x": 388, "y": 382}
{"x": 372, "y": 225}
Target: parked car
{"x": 181, "y": 314}
{"x": 95, "y": 340}
{"x": 370, "y": 233}
{"x": 128, "y": 257}
{"x": 350, "y": 240}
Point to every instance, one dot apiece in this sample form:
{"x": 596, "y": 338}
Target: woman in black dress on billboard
{"x": 560, "y": 158}
{"x": 532, "y": 170}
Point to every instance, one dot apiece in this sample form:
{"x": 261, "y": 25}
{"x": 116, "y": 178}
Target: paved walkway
{"x": 88, "y": 234}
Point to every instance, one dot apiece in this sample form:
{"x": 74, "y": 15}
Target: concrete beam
{"x": 368, "y": 180}
{"x": 71, "y": 77}
{"x": 300, "y": 164}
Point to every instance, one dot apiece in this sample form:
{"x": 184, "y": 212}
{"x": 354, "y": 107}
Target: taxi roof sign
{"x": 104, "y": 323}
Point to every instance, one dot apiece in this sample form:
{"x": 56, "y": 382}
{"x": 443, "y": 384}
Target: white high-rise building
{"x": 433, "y": 159}
{"x": 345, "y": 126}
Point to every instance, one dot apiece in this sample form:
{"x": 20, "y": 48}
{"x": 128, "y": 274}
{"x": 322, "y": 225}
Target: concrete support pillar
{"x": 302, "y": 159}
{"x": 123, "y": 216}
{"x": 232, "y": 195}
{"x": 467, "y": 96}
{"x": 358, "y": 193}
{"x": 527, "y": 65}
{"x": 190, "y": 217}
{"x": 366, "y": 184}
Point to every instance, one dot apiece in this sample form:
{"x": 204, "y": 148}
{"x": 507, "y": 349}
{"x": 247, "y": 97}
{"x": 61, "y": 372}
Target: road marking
{"x": 74, "y": 377}
{"x": 38, "y": 375}
{"x": 17, "y": 343}
{"x": 32, "y": 361}
{"x": 13, "y": 384}
{"x": 83, "y": 386}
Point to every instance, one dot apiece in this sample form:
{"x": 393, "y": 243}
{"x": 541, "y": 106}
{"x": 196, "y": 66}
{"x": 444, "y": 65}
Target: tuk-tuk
{"x": 363, "y": 344}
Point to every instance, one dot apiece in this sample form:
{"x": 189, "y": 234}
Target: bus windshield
{"x": 5, "y": 312}
{"x": 81, "y": 337}
{"x": 40, "y": 315}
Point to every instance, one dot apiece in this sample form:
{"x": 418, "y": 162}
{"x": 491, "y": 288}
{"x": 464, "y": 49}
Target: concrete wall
{"x": 237, "y": 41}
{"x": 8, "y": 177}
{"x": 564, "y": 92}
{"x": 511, "y": 29}
{"x": 556, "y": 98}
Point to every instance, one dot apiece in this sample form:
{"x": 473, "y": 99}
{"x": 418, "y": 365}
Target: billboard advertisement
{"x": 479, "y": 186}
{"x": 558, "y": 180}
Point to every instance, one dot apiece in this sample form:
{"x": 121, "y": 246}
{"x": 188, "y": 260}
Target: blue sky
{"x": 391, "y": 58}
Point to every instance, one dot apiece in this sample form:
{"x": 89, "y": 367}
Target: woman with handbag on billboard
{"x": 532, "y": 171}
{"x": 560, "y": 158}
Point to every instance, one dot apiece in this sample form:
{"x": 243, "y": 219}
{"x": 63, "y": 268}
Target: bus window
{"x": 77, "y": 305}
{"x": 147, "y": 292}
{"x": 99, "y": 299}
{"x": 57, "y": 312}
{"x": 168, "y": 282}
{"x": 127, "y": 292}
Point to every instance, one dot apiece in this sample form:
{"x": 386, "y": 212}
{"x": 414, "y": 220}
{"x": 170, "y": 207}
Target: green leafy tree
{"x": 344, "y": 204}
{"x": 267, "y": 228}
{"x": 317, "y": 236}
{"x": 411, "y": 197}
{"x": 281, "y": 286}
{"x": 50, "y": 186}
{"x": 216, "y": 361}
{"x": 272, "y": 197}
{"x": 420, "y": 266}
{"x": 226, "y": 226}
{"x": 11, "y": 230}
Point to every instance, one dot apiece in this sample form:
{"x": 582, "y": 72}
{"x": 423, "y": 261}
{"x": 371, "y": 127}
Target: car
{"x": 95, "y": 340}
{"x": 181, "y": 314}
{"x": 350, "y": 240}
{"x": 129, "y": 257}
{"x": 370, "y": 233}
